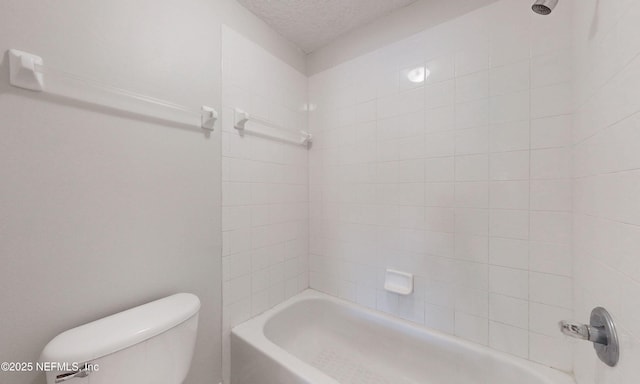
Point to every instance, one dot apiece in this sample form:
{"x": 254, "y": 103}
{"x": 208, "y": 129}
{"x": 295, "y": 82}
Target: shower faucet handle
{"x": 579, "y": 331}
{"x": 583, "y": 332}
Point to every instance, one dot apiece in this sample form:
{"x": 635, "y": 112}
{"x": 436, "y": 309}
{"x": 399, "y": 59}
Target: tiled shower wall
{"x": 606, "y": 180}
{"x": 264, "y": 185}
{"x": 462, "y": 180}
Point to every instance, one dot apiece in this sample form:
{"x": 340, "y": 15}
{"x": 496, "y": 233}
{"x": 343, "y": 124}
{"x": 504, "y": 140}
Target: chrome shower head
{"x": 544, "y": 7}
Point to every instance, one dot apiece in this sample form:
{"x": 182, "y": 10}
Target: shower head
{"x": 544, "y": 7}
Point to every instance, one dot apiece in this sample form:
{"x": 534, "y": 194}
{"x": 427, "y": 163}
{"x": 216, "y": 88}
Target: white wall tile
{"x": 554, "y": 258}
{"x": 472, "y": 221}
{"x": 472, "y": 140}
{"x": 512, "y": 224}
{"x": 509, "y": 310}
{"x": 236, "y": 289}
{"x": 439, "y": 94}
{"x": 472, "y": 168}
{"x": 511, "y": 136}
{"x": 461, "y": 184}
{"x": 472, "y": 194}
{"x": 472, "y": 328}
{"x": 551, "y": 68}
{"x": 551, "y": 132}
{"x": 551, "y": 289}
{"x": 439, "y": 119}
{"x": 544, "y": 318}
{"x": 552, "y": 227}
{"x": 440, "y": 169}
{"x": 472, "y": 87}
{"x": 551, "y": 100}
{"x": 472, "y": 59}
{"x": 509, "y": 282}
{"x": 441, "y": 69}
{"x": 509, "y": 339}
{"x": 439, "y": 144}
{"x": 439, "y": 318}
{"x": 265, "y": 189}
{"x": 550, "y": 351}
{"x": 551, "y": 195}
{"x": 439, "y": 194}
{"x": 512, "y": 253}
{"x": 510, "y": 107}
{"x": 472, "y": 301}
{"x": 472, "y": 114}
{"x": 509, "y": 194}
{"x": 236, "y": 265}
{"x": 604, "y": 138}
{"x": 550, "y": 163}
{"x": 510, "y": 78}
{"x": 509, "y": 165}
{"x": 472, "y": 247}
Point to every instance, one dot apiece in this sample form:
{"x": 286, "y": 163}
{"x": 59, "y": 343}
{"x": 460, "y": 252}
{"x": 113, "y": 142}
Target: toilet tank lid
{"x": 122, "y": 330}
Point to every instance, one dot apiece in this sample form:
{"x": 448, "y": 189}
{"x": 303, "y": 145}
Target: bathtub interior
{"x": 356, "y": 346}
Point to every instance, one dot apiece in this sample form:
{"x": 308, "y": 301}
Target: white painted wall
{"x": 102, "y": 211}
{"x": 463, "y": 181}
{"x": 606, "y": 161}
{"x": 265, "y": 196}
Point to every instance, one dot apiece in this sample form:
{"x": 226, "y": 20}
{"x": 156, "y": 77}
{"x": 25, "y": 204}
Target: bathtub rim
{"x": 252, "y": 332}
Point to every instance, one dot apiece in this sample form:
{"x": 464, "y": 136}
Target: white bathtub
{"x": 315, "y": 338}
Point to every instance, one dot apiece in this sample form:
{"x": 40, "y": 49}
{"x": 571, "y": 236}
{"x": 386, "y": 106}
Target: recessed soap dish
{"x": 398, "y": 282}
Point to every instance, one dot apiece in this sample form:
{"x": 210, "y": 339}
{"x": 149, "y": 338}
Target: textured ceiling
{"x": 311, "y": 24}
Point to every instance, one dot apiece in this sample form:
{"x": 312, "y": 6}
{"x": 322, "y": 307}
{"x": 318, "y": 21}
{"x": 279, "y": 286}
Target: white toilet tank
{"x": 149, "y": 344}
